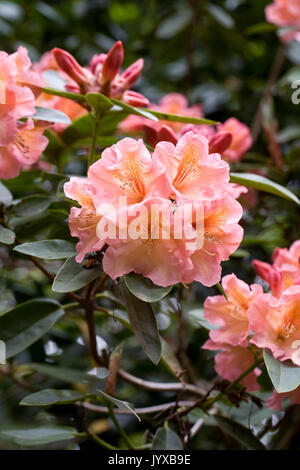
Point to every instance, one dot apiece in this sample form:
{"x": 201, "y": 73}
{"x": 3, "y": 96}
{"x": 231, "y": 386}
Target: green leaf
{"x": 26, "y": 323}
{"x": 32, "y": 205}
{"x": 137, "y": 111}
{"x": 51, "y": 397}
{"x": 64, "y": 374}
{"x": 240, "y": 433}
{"x": 121, "y": 404}
{"x": 145, "y": 289}
{"x": 79, "y": 129}
{"x": 179, "y": 118}
{"x": 221, "y": 16}
{"x": 5, "y": 195}
{"x": 263, "y": 184}
{"x": 54, "y": 80}
{"x": 40, "y": 435}
{"x": 73, "y": 276}
{"x": 221, "y": 290}
{"x": 47, "y": 249}
{"x": 143, "y": 321}
{"x": 64, "y": 94}
{"x": 166, "y": 439}
{"x": 285, "y": 376}
{"x": 174, "y": 23}
{"x": 6, "y": 236}
{"x": 51, "y": 115}
{"x": 98, "y": 101}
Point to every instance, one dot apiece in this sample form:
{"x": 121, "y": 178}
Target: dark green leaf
{"x": 98, "y": 101}
{"x": 26, "y": 323}
{"x": 240, "y": 433}
{"x": 179, "y": 118}
{"x": 51, "y": 115}
{"x": 5, "y": 195}
{"x": 6, "y": 236}
{"x": 64, "y": 374}
{"x": 32, "y": 205}
{"x": 145, "y": 289}
{"x": 51, "y": 397}
{"x": 64, "y": 94}
{"x": 263, "y": 184}
{"x": 40, "y": 435}
{"x": 73, "y": 276}
{"x": 122, "y": 405}
{"x": 143, "y": 321}
{"x": 166, "y": 439}
{"x": 285, "y": 376}
{"x": 47, "y": 249}
{"x": 137, "y": 111}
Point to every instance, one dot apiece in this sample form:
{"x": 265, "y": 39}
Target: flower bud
{"x": 112, "y": 62}
{"x": 70, "y": 66}
{"x": 135, "y": 99}
{"x": 96, "y": 60}
{"x": 131, "y": 74}
{"x": 220, "y": 142}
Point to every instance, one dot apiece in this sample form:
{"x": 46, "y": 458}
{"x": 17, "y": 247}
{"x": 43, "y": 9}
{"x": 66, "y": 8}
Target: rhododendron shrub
{"x": 149, "y": 249}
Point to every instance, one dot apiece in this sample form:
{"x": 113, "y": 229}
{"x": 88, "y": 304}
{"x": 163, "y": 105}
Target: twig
{"x": 142, "y": 411}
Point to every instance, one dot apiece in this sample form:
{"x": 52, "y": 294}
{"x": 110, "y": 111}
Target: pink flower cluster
{"x": 232, "y": 139}
{"x": 103, "y": 75}
{"x": 286, "y": 14}
{"x": 174, "y": 175}
{"x": 21, "y": 141}
{"x": 252, "y": 320}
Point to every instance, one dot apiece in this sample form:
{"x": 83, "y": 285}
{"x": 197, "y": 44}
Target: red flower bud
{"x": 151, "y": 134}
{"x": 220, "y": 142}
{"x": 96, "y": 60}
{"x": 113, "y": 62}
{"x": 131, "y": 74}
{"x": 135, "y": 99}
{"x": 167, "y": 134}
{"x": 70, "y": 66}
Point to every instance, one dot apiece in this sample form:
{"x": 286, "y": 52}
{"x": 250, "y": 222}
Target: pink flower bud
{"x": 262, "y": 269}
{"x": 275, "y": 281}
{"x": 151, "y": 134}
{"x": 220, "y": 142}
{"x": 70, "y": 66}
{"x": 113, "y": 62}
{"x": 135, "y": 99}
{"x": 131, "y": 74}
{"x": 167, "y": 134}
{"x": 96, "y": 60}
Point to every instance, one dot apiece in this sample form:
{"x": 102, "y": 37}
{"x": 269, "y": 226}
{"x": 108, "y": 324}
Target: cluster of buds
{"x": 103, "y": 75}
{"x": 218, "y": 143}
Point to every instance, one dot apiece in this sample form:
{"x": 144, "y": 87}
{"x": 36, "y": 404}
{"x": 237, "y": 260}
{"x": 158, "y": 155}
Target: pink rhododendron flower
{"x": 193, "y": 173}
{"x": 23, "y": 151}
{"x": 276, "y": 323}
{"x": 232, "y": 361}
{"x": 241, "y": 139}
{"x": 275, "y": 400}
{"x": 231, "y": 316}
{"x": 103, "y": 75}
{"x": 284, "y": 272}
{"x": 127, "y": 169}
{"x": 285, "y": 13}
{"x": 163, "y": 259}
{"x": 222, "y": 236}
{"x": 83, "y": 221}
{"x": 127, "y": 182}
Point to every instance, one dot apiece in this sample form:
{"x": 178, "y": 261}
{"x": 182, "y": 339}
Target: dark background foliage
{"x": 218, "y": 53}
